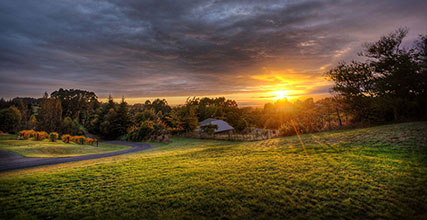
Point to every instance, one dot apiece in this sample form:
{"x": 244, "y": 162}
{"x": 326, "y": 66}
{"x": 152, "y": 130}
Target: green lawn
{"x": 32, "y": 148}
{"x": 372, "y": 173}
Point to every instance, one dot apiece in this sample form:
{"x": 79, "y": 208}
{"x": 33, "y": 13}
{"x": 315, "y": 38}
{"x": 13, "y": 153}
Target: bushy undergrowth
{"x": 148, "y": 131}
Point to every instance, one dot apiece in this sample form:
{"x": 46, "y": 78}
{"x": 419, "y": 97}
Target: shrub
{"x": 90, "y": 141}
{"x": 78, "y": 139}
{"x": 53, "y": 136}
{"x": 82, "y": 139}
{"x": 66, "y": 138}
{"x": 41, "y": 135}
{"x": 25, "y": 134}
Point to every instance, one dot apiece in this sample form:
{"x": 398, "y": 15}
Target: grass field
{"x": 32, "y": 148}
{"x": 371, "y": 173}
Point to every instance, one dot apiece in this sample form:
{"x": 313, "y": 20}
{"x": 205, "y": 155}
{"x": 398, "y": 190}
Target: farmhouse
{"x": 223, "y": 127}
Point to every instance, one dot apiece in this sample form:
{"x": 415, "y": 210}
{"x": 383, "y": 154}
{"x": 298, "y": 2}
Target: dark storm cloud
{"x": 172, "y": 48}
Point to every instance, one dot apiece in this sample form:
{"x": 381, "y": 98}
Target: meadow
{"x": 369, "y": 173}
{"x": 46, "y": 148}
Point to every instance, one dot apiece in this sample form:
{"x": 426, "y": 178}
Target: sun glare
{"x": 281, "y": 94}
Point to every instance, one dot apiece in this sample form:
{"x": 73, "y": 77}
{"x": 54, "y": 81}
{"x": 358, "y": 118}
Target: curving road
{"x": 10, "y": 161}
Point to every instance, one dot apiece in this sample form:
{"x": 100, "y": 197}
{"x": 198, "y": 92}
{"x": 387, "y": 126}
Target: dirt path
{"x": 10, "y": 161}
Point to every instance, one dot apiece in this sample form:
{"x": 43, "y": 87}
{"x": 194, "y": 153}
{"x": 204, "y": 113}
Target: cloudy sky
{"x": 251, "y": 51}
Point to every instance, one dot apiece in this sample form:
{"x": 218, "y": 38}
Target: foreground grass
{"x": 378, "y": 172}
{"x": 32, "y": 148}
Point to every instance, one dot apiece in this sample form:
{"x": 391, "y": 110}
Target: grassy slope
{"x": 378, "y": 172}
{"x": 31, "y": 148}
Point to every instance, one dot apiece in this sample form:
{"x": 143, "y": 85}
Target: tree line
{"x": 77, "y": 111}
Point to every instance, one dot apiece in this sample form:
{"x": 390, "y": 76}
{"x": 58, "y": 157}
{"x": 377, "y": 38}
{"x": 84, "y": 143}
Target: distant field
{"x": 371, "y": 173}
{"x": 32, "y": 148}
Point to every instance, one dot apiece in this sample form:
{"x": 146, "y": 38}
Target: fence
{"x": 232, "y": 137}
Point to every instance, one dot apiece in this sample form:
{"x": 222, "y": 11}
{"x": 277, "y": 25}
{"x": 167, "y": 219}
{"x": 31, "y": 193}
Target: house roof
{"x": 222, "y": 125}
{"x": 207, "y": 121}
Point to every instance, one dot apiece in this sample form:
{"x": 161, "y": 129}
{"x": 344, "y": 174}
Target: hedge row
{"x": 53, "y": 136}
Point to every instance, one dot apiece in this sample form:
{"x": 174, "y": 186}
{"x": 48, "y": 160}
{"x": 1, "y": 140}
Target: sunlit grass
{"x": 32, "y": 148}
{"x": 367, "y": 173}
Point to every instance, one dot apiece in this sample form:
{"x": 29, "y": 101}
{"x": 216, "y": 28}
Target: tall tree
{"x": 77, "y": 104}
{"x": 122, "y": 118}
{"x": 388, "y": 85}
{"x": 10, "y": 119}
{"x": 50, "y": 114}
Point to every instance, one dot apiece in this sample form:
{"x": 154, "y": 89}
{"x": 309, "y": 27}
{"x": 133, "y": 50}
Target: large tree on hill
{"x": 387, "y": 86}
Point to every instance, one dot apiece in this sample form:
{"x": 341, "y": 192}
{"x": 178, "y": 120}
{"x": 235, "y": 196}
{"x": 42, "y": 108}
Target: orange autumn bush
{"x": 90, "y": 141}
{"x": 25, "y": 134}
{"x": 66, "y": 138}
{"x": 78, "y": 139}
{"x": 41, "y": 135}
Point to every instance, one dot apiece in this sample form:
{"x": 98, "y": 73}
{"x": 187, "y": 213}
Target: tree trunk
{"x": 339, "y": 117}
{"x": 396, "y": 116}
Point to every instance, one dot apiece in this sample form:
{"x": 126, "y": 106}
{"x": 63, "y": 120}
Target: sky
{"x": 250, "y": 51}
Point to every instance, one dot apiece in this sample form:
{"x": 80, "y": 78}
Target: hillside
{"x": 378, "y": 172}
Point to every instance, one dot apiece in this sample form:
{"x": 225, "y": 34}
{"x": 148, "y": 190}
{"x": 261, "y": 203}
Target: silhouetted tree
{"x": 389, "y": 85}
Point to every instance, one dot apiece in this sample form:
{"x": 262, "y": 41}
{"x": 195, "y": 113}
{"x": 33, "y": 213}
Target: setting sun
{"x": 281, "y": 94}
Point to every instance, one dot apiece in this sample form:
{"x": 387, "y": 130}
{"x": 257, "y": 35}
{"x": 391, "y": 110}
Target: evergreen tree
{"x": 50, "y": 114}
{"x": 122, "y": 120}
